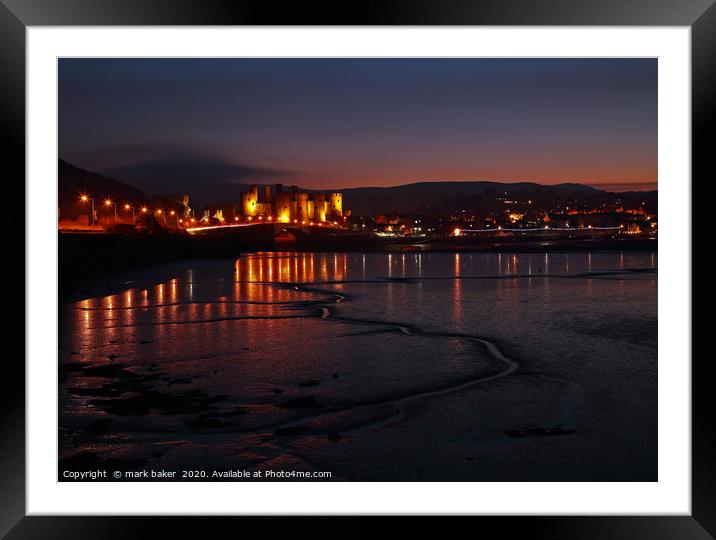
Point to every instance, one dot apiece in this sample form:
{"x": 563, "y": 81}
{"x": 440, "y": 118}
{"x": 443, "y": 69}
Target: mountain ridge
{"x": 413, "y": 197}
{"x": 73, "y": 181}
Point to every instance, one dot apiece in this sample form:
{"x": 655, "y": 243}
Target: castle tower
{"x": 320, "y": 207}
{"x": 283, "y": 206}
{"x": 311, "y": 213}
{"x": 335, "y": 205}
{"x": 249, "y": 201}
{"x": 301, "y": 198}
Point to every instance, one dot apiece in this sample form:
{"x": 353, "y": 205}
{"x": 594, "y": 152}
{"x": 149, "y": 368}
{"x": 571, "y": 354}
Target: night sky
{"x": 338, "y": 123}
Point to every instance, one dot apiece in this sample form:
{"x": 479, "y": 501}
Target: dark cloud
{"x": 204, "y": 179}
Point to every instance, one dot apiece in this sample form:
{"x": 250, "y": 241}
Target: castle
{"x": 290, "y": 205}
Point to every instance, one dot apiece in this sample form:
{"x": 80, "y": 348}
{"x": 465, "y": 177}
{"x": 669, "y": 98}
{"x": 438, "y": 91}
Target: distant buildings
{"x": 291, "y": 205}
{"x": 220, "y": 212}
{"x": 176, "y": 203}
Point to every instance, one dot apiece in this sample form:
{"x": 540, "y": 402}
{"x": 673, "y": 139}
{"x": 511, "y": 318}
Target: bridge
{"x": 267, "y": 233}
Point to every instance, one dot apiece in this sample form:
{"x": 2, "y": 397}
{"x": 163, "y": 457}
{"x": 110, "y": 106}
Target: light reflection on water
{"x": 239, "y": 331}
{"x": 250, "y": 293}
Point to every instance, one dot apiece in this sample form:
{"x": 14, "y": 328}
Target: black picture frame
{"x": 16, "y": 15}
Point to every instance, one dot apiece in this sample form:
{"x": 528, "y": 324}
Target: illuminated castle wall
{"x": 335, "y": 204}
{"x": 249, "y": 201}
{"x": 291, "y": 205}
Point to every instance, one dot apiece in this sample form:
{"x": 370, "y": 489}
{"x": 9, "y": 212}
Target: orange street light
{"x": 108, "y": 202}
{"x": 128, "y": 207}
{"x": 85, "y": 198}
{"x": 144, "y": 210}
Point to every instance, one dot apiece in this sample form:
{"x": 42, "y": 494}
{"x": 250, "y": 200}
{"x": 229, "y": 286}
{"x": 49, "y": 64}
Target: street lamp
{"x": 128, "y": 207}
{"x": 108, "y": 202}
{"x": 85, "y": 198}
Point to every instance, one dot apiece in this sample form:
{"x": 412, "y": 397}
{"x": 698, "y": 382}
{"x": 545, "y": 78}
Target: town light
{"x": 456, "y": 232}
{"x": 128, "y": 207}
{"x": 108, "y": 202}
{"x": 144, "y": 209}
{"x": 85, "y": 198}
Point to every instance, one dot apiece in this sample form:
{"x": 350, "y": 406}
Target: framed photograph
{"x": 404, "y": 263}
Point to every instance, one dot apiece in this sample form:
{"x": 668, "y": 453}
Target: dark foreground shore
{"x": 368, "y": 366}
{"x": 83, "y": 256}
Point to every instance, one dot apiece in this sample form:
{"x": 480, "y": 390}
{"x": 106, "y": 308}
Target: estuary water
{"x": 370, "y": 366}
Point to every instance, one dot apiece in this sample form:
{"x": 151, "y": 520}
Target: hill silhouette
{"x": 72, "y": 182}
{"x": 478, "y": 196}
{"x": 220, "y": 182}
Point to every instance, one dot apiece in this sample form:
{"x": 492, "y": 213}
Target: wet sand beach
{"x": 372, "y": 366}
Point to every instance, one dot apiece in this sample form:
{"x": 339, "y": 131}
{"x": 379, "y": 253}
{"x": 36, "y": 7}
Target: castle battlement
{"x": 293, "y": 205}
